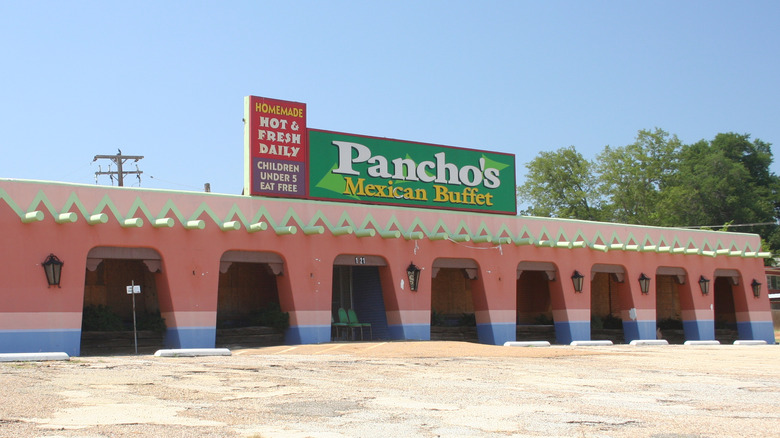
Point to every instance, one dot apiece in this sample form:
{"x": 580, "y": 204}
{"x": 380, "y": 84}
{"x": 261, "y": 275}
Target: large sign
{"x": 284, "y": 158}
{"x": 357, "y": 168}
{"x": 275, "y": 147}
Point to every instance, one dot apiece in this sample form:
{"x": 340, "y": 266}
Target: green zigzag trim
{"x": 614, "y": 239}
{"x": 631, "y": 238}
{"x": 580, "y": 236}
{"x": 10, "y": 203}
{"x": 171, "y": 207}
{"x": 524, "y": 232}
{"x": 138, "y": 207}
{"x": 544, "y": 234}
{"x": 562, "y": 234}
{"x": 504, "y": 229}
{"x": 483, "y": 228}
{"x": 598, "y": 236}
{"x": 440, "y": 227}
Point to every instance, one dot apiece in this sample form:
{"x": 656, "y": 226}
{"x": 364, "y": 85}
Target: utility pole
{"x": 119, "y": 159}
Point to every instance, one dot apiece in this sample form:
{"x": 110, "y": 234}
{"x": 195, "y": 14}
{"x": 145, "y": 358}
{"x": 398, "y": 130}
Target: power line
{"x": 731, "y": 226}
{"x": 119, "y": 160}
{"x": 174, "y": 183}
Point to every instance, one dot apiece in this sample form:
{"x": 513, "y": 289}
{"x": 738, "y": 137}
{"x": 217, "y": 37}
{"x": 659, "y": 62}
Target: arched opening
{"x": 357, "y": 293}
{"x": 108, "y": 312}
{"x": 605, "y": 304}
{"x": 667, "y": 304}
{"x": 724, "y": 309}
{"x": 248, "y": 310}
{"x": 534, "y": 306}
{"x": 452, "y": 301}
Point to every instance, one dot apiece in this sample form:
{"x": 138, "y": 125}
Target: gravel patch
{"x": 424, "y": 389}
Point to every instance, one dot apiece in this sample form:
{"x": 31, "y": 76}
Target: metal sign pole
{"x": 135, "y": 331}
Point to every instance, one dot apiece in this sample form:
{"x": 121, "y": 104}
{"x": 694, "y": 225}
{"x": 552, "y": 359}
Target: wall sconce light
{"x": 756, "y": 288}
{"x": 704, "y": 285}
{"x": 577, "y": 279}
{"x": 52, "y": 266}
{"x": 413, "y": 272}
{"x": 644, "y": 283}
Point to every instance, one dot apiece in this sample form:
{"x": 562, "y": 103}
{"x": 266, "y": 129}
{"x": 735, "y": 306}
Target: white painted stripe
{"x": 192, "y": 352}
{"x": 376, "y": 345}
{"x": 337, "y": 346}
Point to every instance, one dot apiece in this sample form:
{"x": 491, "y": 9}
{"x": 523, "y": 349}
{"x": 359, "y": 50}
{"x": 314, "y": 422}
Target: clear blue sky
{"x": 166, "y": 79}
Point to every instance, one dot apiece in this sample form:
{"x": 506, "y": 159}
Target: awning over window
{"x": 273, "y": 260}
{"x": 548, "y": 268}
{"x": 468, "y": 265}
{"x": 150, "y": 257}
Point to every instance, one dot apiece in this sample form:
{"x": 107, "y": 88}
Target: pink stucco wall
{"x": 188, "y": 281}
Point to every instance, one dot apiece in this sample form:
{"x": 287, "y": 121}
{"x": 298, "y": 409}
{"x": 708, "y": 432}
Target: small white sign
{"x": 133, "y": 290}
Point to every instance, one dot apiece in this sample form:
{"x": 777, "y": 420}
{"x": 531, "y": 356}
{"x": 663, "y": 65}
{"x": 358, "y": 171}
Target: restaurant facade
{"x": 401, "y": 233}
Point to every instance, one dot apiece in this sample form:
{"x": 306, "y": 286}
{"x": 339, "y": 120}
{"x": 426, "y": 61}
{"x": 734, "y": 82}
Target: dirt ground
{"x": 402, "y": 389}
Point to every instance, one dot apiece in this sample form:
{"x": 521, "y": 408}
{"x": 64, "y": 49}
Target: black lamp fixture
{"x": 644, "y": 283}
{"x": 413, "y": 272}
{"x": 704, "y": 285}
{"x": 577, "y": 279}
{"x": 756, "y": 288}
{"x": 52, "y": 266}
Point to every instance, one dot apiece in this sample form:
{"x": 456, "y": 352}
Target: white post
{"x": 135, "y": 332}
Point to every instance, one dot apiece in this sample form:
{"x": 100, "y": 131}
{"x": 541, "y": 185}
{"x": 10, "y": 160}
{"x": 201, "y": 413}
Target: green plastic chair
{"x": 353, "y": 319}
{"x": 344, "y": 319}
{"x": 337, "y": 326}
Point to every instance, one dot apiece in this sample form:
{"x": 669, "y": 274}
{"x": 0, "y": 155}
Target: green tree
{"x": 633, "y": 178}
{"x": 657, "y": 180}
{"x": 560, "y": 184}
{"x": 726, "y": 180}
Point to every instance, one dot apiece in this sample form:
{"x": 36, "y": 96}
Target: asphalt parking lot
{"x": 380, "y": 389}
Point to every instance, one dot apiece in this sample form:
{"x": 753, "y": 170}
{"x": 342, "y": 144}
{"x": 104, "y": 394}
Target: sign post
{"x": 132, "y": 290}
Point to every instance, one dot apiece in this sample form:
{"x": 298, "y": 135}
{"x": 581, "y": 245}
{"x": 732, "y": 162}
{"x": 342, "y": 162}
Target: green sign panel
{"x": 353, "y": 168}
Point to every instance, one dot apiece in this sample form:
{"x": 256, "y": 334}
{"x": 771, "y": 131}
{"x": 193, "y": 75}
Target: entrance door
{"x": 356, "y": 286}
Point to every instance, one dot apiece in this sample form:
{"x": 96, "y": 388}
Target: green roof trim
{"x": 252, "y": 215}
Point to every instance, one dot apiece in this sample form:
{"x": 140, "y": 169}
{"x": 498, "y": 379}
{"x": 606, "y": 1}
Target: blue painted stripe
{"x": 307, "y": 334}
{"x": 756, "y": 331}
{"x": 190, "y": 337}
{"x": 410, "y": 332}
{"x": 640, "y": 329}
{"x": 568, "y": 331}
{"x": 496, "y": 333}
{"x": 38, "y": 341}
{"x": 699, "y": 330}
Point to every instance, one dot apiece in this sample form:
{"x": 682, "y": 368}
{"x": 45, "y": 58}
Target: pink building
{"x": 404, "y": 235}
{"x": 202, "y": 258}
